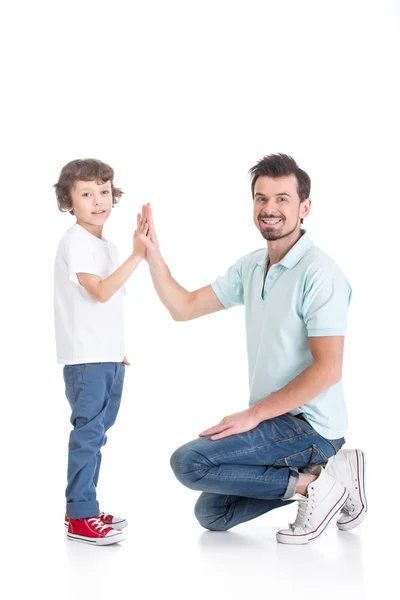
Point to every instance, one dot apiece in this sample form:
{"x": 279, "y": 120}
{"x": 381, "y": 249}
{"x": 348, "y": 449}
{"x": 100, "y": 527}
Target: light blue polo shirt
{"x": 305, "y": 294}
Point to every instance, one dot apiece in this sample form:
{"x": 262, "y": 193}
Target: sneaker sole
{"x": 106, "y": 541}
{"x": 306, "y": 538}
{"x": 119, "y": 525}
{"x": 355, "y": 521}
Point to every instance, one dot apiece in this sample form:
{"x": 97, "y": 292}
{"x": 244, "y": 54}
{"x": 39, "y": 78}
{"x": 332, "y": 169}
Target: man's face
{"x": 277, "y": 206}
{"x": 92, "y": 202}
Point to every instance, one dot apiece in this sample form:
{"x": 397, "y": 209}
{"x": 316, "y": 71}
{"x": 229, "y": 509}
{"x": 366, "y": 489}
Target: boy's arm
{"x": 182, "y": 304}
{"x": 103, "y": 289}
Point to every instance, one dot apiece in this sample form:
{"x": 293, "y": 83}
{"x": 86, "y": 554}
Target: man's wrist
{"x": 156, "y": 262}
{"x": 258, "y": 412}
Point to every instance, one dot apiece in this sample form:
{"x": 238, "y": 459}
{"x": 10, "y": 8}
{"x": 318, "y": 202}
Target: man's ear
{"x": 305, "y": 207}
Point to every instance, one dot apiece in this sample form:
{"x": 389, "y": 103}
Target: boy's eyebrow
{"x": 86, "y": 187}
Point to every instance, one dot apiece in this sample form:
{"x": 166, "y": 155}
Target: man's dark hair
{"x": 88, "y": 169}
{"x": 281, "y": 165}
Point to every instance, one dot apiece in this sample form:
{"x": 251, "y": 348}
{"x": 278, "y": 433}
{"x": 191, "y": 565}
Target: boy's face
{"x": 92, "y": 202}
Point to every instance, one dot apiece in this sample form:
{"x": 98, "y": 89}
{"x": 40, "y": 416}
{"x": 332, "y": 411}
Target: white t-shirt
{"x": 87, "y": 331}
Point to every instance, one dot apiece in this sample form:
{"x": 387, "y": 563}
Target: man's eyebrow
{"x": 280, "y": 194}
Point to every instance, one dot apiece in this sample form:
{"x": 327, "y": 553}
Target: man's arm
{"x": 324, "y": 372}
{"x": 181, "y": 304}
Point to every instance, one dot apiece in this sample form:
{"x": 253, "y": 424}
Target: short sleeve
{"x": 80, "y": 258}
{"x": 229, "y": 287}
{"x": 326, "y": 300}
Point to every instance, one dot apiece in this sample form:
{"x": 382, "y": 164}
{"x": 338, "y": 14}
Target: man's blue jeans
{"x": 94, "y": 392}
{"x": 246, "y": 475}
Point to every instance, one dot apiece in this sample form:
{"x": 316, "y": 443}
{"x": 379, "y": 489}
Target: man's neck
{"x": 278, "y": 248}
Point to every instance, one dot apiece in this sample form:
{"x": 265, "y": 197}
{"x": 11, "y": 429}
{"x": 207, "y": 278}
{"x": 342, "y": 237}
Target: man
{"x": 296, "y": 301}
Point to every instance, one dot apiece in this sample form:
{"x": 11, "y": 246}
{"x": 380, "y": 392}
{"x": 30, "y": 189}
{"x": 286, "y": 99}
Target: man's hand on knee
{"x": 239, "y": 422}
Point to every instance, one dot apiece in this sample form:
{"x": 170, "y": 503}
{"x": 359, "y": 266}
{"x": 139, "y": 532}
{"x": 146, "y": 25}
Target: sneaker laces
{"x": 304, "y": 512}
{"x": 98, "y": 524}
{"x": 350, "y": 505}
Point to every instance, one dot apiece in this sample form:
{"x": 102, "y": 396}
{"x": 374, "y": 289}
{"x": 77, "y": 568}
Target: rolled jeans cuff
{"x": 83, "y": 510}
{"x": 292, "y": 483}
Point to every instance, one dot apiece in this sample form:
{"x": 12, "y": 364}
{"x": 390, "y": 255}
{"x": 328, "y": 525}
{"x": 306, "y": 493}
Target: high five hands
{"x": 145, "y": 236}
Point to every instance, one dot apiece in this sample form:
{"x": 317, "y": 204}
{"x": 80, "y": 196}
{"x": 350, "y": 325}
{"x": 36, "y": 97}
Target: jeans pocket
{"x": 90, "y": 366}
{"x": 69, "y": 386}
{"x": 337, "y": 444}
{"x": 310, "y": 456}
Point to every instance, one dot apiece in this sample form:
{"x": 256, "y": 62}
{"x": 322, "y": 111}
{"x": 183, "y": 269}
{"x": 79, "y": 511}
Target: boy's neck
{"x": 96, "y": 230}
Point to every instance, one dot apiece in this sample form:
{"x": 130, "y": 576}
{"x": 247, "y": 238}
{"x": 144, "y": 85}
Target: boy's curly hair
{"x": 88, "y": 169}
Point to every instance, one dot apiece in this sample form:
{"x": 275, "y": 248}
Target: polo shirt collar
{"x": 295, "y": 253}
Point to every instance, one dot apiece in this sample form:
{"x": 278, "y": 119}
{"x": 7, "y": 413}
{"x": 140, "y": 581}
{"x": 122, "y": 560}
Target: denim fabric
{"x": 246, "y": 475}
{"x": 94, "y": 393}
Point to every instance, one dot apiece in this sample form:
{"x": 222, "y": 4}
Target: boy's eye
{"x": 106, "y": 191}
{"x": 86, "y": 194}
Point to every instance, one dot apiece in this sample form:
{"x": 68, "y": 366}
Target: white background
{"x": 182, "y": 98}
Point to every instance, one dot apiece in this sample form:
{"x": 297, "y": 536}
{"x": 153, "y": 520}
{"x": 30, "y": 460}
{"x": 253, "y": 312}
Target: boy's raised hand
{"x": 139, "y": 248}
{"x": 149, "y": 239}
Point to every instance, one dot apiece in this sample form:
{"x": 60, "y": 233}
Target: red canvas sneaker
{"x": 93, "y": 531}
{"x": 116, "y": 522}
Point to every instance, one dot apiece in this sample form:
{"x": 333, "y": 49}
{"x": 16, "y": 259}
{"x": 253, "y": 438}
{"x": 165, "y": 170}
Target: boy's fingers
{"x": 145, "y": 240}
{"x": 144, "y": 227}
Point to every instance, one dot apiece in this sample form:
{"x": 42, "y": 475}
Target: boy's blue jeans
{"x": 94, "y": 392}
{"x": 246, "y": 475}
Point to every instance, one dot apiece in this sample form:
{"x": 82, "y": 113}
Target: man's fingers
{"x": 152, "y": 234}
{"x": 149, "y": 214}
{"x": 216, "y": 429}
{"x": 224, "y": 434}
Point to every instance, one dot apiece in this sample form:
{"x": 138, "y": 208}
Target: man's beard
{"x": 271, "y": 236}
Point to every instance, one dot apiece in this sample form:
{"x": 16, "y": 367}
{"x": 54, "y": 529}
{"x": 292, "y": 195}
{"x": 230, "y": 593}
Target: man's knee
{"x": 189, "y": 466}
{"x": 208, "y": 517}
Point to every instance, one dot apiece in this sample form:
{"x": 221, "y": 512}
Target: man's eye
{"x": 282, "y": 199}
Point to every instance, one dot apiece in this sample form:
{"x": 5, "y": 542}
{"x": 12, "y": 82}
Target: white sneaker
{"x": 348, "y": 467}
{"x": 325, "y": 499}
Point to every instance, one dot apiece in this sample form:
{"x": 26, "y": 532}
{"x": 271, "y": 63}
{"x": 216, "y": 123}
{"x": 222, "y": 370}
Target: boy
{"x": 89, "y": 287}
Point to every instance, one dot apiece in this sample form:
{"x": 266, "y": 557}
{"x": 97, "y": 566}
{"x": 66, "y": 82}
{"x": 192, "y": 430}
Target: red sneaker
{"x": 116, "y": 522}
{"x": 93, "y": 531}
